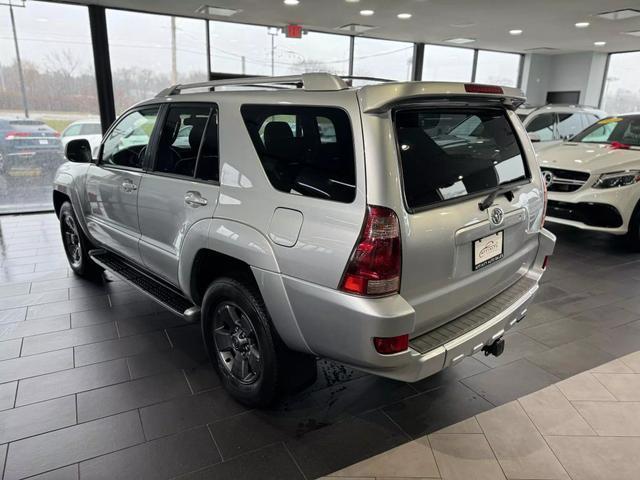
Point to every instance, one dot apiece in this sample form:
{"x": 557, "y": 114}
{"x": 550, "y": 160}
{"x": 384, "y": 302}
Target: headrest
{"x": 276, "y": 132}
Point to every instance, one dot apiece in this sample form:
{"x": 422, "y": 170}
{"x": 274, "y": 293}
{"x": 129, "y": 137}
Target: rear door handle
{"x": 194, "y": 199}
{"x": 129, "y": 186}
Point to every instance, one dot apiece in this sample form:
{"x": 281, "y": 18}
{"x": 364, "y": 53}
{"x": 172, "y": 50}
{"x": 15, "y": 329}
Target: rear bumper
{"x": 341, "y": 327}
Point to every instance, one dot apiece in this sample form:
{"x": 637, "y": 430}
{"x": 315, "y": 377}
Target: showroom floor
{"x": 98, "y": 382}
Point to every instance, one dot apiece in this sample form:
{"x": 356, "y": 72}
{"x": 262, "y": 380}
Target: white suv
{"x": 553, "y": 123}
{"x": 592, "y": 180}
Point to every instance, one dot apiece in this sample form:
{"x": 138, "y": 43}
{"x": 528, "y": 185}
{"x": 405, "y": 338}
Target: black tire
{"x": 76, "y": 244}
{"x": 254, "y": 345}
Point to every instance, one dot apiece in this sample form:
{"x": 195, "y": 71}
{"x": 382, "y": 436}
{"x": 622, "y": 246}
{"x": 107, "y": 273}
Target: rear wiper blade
{"x": 507, "y": 191}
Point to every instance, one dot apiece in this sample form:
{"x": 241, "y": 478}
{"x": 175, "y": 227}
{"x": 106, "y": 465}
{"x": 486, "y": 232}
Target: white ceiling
{"x": 546, "y": 23}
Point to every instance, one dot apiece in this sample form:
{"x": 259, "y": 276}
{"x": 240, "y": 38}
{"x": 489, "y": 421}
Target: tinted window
{"x": 544, "y": 126}
{"x": 304, "y": 150}
{"x": 91, "y": 129}
{"x": 181, "y": 139}
{"x": 477, "y": 152}
{"x": 126, "y": 144}
{"x": 569, "y": 124}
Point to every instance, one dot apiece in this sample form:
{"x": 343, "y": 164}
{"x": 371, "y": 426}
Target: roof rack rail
{"x": 368, "y": 79}
{"x": 307, "y": 81}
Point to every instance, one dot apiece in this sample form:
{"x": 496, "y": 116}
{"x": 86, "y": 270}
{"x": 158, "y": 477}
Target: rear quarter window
{"x": 304, "y": 151}
{"x": 449, "y": 153}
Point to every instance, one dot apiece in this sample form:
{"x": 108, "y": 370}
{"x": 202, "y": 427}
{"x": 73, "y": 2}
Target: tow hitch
{"x": 495, "y": 349}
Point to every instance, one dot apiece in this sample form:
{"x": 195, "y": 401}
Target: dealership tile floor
{"x": 97, "y": 382}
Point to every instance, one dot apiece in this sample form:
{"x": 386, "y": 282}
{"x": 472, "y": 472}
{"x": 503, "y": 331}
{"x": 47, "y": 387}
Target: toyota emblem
{"x": 496, "y": 215}
{"x": 548, "y": 177}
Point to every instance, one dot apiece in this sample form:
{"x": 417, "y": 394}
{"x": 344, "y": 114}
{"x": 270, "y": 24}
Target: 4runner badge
{"x": 496, "y": 216}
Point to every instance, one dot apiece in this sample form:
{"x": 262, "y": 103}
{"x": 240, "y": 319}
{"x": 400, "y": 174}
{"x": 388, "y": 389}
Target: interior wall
{"x": 583, "y": 72}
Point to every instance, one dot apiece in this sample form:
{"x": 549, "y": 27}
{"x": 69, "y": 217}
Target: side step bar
{"x": 158, "y": 290}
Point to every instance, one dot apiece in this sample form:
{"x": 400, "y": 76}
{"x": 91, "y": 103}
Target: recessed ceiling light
{"x": 217, "y": 11}
{"x": 620, "y": 14}
{"x": 291, "y": 2}
{"x": 463, "y": 25}
{"x": 516, "y": 31}
{"x": 366, "y": 13}
{"x": 599, "y": 44}
{"x": 460, "y": 40}
{"x": 404, "y": 16}
{"x": 352, "y": 1}
{"x": 582, "y": 24}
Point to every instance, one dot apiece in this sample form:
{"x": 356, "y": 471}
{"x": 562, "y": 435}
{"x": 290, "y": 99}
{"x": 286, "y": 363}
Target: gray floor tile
{"x": 3, "y": 455}
{"x": 129, "y": 395}
{"x": 270, "y": 463}
{"x": 14, "y": 289}
{"x": 7, "y": 395}
{"x": 65, "y": 473}
{"x": 29, "y": 299}
{"x": 559, "y": 332}
{"x": 112, "y": 314}
{"x": 570, "y": 359}
{"x": 517, "y": 444}
{"x": 66, "y": 307}
{"x": 10, "y": 349}
{"x": 466, "y": 368}
{"x": 504, "y": 384}
{"x": 39, "y": 418}
{"x": 68, "y": 338}
{"x": 516, "y": 346}
{"x": 609, "y": 316}
{"x": 153, "y": 363}
{"x": 148, "y": 323}
{"x": 464, "y": 457}
{"x": 18, "y": 368}
{"x": 625, "y": 387}
{"x": 337, "y": 446}
{"x": 611, "y": 419}
{"x": 13, "y": 315}
{"x": 70, "y": 381}
{"x": 120, "y": 348}
{"x": 584, "y": 386}
{"x": 72, "y": 444}
{"x": 597, "y": 458}
{"x": 156, "y": 460}
{"x": 9, "y": 331}
{"x": 187, "y": 412}
{"x": 60, "y": 283}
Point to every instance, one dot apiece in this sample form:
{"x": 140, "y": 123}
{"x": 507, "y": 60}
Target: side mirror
{"x": 78, "y": 151}
{"x": 534, "y": 137}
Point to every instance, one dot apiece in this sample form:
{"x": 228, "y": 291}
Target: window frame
{"x": 162, "y": 117}
{"x": 470, "y": 196}
{"x": 352, "y": 131}
{"x": 152, "y": 138}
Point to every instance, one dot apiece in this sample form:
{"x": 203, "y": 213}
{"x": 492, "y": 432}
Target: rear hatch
{"x": 457, "y": 255}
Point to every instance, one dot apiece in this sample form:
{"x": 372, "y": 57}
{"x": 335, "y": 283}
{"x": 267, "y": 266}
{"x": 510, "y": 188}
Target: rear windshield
{"x": 26, "y": 122}
{"x": 451, "y": 153}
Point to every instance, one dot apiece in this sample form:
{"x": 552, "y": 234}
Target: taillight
{"x": 478, "y": 88}
{"x": 12, "y": 135}
{"x": 389, "y": 345}
{"x": 55, "y": 134}
{"x": 545, "y": 262}
{"x": 374, "y": 266}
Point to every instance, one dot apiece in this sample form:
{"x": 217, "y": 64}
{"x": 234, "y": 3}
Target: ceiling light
{"x": 516, "y": 31}
{"x": 635, "y": 33}
{"x": 366, "y": 13}
{"x": 463, "y": 25}
{"x": 352, "y": 1}
{"x": 582, "y": 24}
{"x": 620, "y": 14}
{"x": 404, "y": 16}
{"x": 599, "y": 44}
{"x": 217, "y": 11}
{"x": 291, "y": 2}
{"x": 460, "y": 41}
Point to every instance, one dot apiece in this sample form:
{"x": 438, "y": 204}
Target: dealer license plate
{"x": 488, "y": 250}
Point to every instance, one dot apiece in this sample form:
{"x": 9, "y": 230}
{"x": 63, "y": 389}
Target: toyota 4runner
{"x": 396, "y": 228}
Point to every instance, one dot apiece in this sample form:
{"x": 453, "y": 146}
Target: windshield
{"x": 523, "y": 116}
{"x": 450, "y": 153}
{"x": 625, "y": 130}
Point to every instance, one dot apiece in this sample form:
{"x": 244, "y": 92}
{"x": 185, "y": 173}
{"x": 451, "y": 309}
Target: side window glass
{"x": 544, "y": 126}
{"x": 304, "y": 151}
{"x": 600, "y": 134}
{"x": 209, "y": 161}
{"x": 181, "y": 138}
{"x": 569, "y": 124}
{"x": 91, "y": 129}
{"x": 72, "y": 130}
{"x": 127, "y": 143}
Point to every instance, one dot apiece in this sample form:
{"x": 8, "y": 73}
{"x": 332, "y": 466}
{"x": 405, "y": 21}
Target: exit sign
{"x": 293, "y": 31}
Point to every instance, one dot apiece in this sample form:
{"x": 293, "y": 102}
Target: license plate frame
{"x": 487, "y": 250}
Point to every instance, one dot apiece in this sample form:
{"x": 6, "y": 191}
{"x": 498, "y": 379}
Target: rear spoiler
{"x": 379, "y": 98}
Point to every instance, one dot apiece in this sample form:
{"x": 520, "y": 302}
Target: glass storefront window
{"x": 447, "y": 64}
{"x": 382, "y": 59}
{"x": 498, "y": 68}
{"x": 59, "y": 85}
{"x": 622, "y": 89}
{"x": 257, "y": 50}
{"x": 159, "y": 52}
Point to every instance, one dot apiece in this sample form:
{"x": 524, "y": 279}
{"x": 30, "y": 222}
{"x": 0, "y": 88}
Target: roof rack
{"x": 307, "y": 81}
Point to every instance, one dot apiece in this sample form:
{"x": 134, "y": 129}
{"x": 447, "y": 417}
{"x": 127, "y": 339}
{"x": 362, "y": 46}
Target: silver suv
{"x": 396, "y": 228}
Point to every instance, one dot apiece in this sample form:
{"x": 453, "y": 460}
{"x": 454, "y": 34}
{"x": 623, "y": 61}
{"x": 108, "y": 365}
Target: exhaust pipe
{"x": 496, "y": 348}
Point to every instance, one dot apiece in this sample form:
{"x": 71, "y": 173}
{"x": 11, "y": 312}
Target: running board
{"x": 158, "y": 290}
